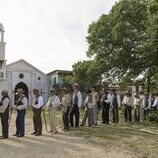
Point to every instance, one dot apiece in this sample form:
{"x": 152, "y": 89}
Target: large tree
{"x": 118, "y": 40}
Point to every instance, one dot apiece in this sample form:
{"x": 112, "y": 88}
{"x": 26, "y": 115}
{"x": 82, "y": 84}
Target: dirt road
{"x": 61, "y": 145}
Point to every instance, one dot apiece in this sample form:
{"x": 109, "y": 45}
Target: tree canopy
{"x": 121, "y": 40}
{"x": 123, "y": 44}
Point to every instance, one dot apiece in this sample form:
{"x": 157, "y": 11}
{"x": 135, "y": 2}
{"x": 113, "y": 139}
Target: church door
{"x": 25, "y": 89}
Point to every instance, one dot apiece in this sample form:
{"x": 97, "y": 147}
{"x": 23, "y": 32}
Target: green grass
{"x": 140, "y": 139}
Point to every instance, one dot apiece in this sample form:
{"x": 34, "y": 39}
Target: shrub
{"x": 153, "y": 116}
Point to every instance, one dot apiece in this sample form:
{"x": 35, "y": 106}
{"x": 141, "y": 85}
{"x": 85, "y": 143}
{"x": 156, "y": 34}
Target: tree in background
{"x": 86, "y": 73}
{"x": 123, "y": 44}
{"x": 116, "y": 39}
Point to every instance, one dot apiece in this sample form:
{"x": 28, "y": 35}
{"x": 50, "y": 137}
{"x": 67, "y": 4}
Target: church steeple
{"x": 2, "y": 54}
{"x": 2, "y": 44}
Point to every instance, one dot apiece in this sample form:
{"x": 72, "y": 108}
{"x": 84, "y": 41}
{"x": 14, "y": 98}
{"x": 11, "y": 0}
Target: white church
{"x": 20, "y": 74}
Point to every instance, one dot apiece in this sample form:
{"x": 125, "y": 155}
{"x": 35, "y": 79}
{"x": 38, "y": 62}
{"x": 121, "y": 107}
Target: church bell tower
{"x": 2, "y": 54}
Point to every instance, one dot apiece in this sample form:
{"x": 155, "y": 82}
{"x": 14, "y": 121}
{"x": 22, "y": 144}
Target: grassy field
{"x": 140, "y": 139}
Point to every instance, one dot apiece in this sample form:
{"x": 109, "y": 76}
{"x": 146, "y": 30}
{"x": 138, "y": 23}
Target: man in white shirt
{"x": 51, "y": 106}
{"x": 95, "y": 108}
{"x": 20, "y": 106}
{"x": 155, "y": 104}
{"x": 106, "y": 100}
{"x": 90, "y": 102}
{"x": 4, "y": 113}
{"x": 37, "y": 108}
{"x": 142, "y": 105}
{"x": 115, "y": 104}
{"x": 127, "y": 102}
{"x": 76, "y": 104}
{"x": 151, "y": 100}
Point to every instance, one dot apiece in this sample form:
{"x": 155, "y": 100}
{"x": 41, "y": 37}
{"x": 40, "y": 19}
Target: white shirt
{"x": 40, "y": 102}
{"x": 4, "y": 106}
{"x": 24, "y": 101}
{"x": 108, "y": 100}
{"x": 92, "y": 104}
{"x": 79, "y": 96}
{"x": 127, "y": 100}
{"x": 142, "y": 103}
{"x": 155, "y": 102}
{"x": 53, "y": 101}
{"x": 137, "y": 101}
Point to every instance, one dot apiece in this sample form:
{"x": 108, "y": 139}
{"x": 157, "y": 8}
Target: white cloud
{"x": 50, "y": 34}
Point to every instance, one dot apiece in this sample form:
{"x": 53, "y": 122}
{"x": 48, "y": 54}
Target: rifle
{"x": 44, "y": 116}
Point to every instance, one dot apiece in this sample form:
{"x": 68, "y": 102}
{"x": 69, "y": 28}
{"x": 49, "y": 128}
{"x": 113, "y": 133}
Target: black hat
{"x": 89, "y": 91}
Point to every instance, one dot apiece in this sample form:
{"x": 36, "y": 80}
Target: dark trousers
{"x": 65, "y": 116}
{"x": 20, "y": 122}
{"x": 37, "y": 121}
{"x": 74, "y": 112}
{"x": 137, "y": 114}
{"x": 128, "y": 113}
{"x": 146, "y": 113}
{"x": 115, "y": 114}
{"x": 105, "y": 112}
{"x": 4, "y": 122}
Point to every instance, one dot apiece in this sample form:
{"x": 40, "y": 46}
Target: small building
{"x": 57, "y": 78}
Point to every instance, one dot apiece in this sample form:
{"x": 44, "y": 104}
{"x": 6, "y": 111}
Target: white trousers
{"x": 52, "y": 112}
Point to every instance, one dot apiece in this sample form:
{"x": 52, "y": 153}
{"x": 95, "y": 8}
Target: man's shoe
{"x": 50, "y": 131}
{"x": 15, "y": 134}
{"x": 82, "y": 124}
{"x": 2, "y": 137}
{"x": 55, "y": 132}
{"x": 38, "y": 134}
{"x": 33, "y": 133}
{"x": 20, "y": 136}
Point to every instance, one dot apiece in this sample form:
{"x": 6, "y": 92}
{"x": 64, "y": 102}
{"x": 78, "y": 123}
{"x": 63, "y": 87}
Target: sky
{"x": 49, "y": 34}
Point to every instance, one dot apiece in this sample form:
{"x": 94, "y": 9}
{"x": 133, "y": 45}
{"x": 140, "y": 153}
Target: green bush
{"x": 153, "y": 116}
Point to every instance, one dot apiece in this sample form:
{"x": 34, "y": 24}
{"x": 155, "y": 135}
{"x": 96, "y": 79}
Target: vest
{"x": 105, "y": 97}
{"x": 146, "y": 102}
{"x": 76, "y": 100}
{"x": 20, "y": 101}
{"x": 115, "y": 104}
{"x": 36, "y": 101}
{"x": 1, "y": 103}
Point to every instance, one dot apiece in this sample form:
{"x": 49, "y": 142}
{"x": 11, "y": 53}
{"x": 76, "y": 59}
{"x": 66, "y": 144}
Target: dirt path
{"x": 53, "y": 146}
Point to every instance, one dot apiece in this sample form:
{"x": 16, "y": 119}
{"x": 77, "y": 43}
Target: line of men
{"x": 141, "y": 103}
{"x": 37, "y": 107}
{"x": 71, "y": 108}
{"x": 111, "y": 101}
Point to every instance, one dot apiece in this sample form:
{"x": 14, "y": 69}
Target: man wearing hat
{"x": 106, "y": 100}
{"x": 20, "y": 106}
{"x": 4, "y": 113}
{"x": 90, "y": 102}
{"x": 76, "y": 104}
{"x": 51, "y": 106}
{"x": 115, "y": 104}
{"x": 127, "y": 102}
{"x": 37, "y": 108}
